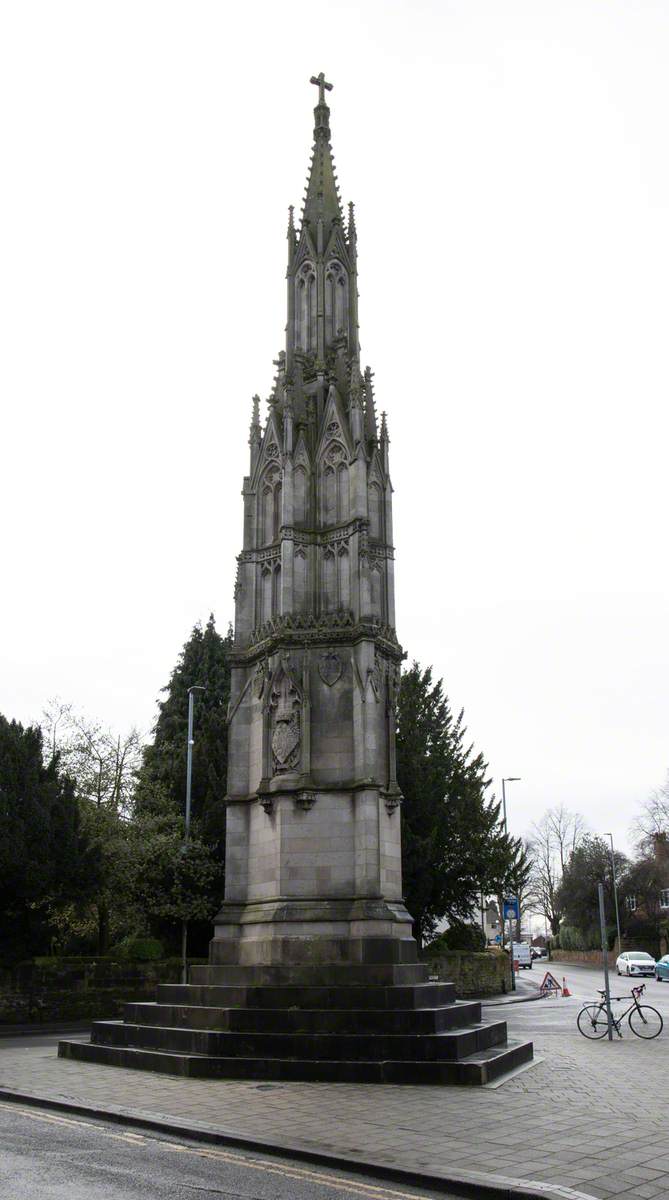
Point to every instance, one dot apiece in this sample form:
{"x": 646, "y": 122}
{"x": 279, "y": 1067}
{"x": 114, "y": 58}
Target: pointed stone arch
{"x": 336, "y": 300}
{"x": 305, "y": 307}
{"x": 375, "y": 509}
{"x": 269, "y": 504}
{"x": 334, "y": 482}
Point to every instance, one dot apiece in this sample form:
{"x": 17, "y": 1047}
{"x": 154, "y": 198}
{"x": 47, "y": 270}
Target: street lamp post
{"x": 189, "y": 777}
{"x": 615, "y": 891}
{"x": 509, "y": 779}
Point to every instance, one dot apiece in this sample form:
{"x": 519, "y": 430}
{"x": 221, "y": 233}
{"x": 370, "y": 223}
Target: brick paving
{"x": 589, "y": 1117}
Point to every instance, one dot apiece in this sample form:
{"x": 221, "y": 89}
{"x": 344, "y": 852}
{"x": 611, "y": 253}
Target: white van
{"x": 521, "y": 955}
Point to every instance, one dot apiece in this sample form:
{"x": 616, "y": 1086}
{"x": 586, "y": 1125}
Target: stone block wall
{"x": 593, "y": 957}
{"x": 474, "y": 975}
{"x": 63, "y": 989}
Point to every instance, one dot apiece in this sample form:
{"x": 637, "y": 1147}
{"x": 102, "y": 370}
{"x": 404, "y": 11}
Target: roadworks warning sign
{"x": 549, "y": 984}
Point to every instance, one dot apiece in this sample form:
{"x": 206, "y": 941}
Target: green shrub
{"x": 571, "y": 938}
{"x": 140, "y": 949}
{"x": 461, "y": 935}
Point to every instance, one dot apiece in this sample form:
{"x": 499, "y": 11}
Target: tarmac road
{"x": 53, "y": 1156}
{"x": 558, "y": 1015}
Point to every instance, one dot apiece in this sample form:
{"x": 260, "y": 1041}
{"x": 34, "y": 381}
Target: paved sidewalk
{"x": 591, "y": 1117}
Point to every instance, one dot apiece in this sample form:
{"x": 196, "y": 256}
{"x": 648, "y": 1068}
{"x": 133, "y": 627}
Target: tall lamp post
{"x": 509, "y": 779}
{"x": 615, "y": 891}
{"x": 189, "y": 778}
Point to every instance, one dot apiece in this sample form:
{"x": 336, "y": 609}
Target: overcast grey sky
{"x": 511, "y": 177}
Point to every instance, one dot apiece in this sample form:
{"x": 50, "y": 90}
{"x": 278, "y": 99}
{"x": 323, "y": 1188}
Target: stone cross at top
{"x": 321, "y": 84}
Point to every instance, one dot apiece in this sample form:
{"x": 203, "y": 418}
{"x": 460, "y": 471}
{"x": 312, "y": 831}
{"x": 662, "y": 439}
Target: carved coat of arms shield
{"x": 330, "y": 668}
{"x": 285, "y": 743}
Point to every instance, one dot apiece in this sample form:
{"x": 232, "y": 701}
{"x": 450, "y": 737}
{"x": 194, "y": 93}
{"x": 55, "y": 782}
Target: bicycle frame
{"x": 616, "y": 1022}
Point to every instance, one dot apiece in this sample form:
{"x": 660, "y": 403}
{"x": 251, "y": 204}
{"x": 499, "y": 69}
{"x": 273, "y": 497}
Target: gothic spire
{"x": 322, "y": 196}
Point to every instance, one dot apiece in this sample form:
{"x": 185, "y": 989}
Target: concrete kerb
{"x": 463, "y": 1183}
{"x": 49, "y": 1027}
{"x": 512, "y": 1000}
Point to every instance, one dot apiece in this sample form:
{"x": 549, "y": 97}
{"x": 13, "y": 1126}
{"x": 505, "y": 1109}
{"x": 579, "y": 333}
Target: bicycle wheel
{"x": 592, "y": 1021}
{"x": 645, "y": 1021}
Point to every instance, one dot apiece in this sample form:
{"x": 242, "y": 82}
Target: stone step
{"x": 418, "y": 995}
{"x": 449, "y": 1045}
{"x": 311, "y": 974}
{"x": 475, "y": 1069}
{"x": 300, "y": 1020}
{"x": 296, "y": 951}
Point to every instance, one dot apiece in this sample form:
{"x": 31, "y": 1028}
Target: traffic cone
{"x": 565, "y": 989}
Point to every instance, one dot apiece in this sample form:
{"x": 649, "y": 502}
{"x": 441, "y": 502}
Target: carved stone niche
{"x": 284, "y": 713}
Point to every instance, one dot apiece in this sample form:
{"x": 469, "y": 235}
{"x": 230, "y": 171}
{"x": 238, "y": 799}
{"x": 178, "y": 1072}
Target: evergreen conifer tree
{"x": 45, "y": 858}
{"x": 453, "y": 845}
{"x": 204, "y": 660}
{"x": 159, "y": 800}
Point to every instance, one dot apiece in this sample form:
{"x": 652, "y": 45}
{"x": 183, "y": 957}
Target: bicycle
{"x": 643, "y": 1020}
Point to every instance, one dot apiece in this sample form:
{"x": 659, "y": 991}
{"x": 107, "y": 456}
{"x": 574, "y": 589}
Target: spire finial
{"x": 322, "y": 86}
{"x": 322, "y": 201}
{"x": 351, "y": 221}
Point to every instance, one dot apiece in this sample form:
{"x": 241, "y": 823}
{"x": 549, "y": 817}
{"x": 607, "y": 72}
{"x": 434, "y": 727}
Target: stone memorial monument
{"x": 313, "y": 970}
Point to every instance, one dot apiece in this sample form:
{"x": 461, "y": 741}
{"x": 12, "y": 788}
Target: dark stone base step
{"x": 299, "y": 951}
{"x": 475, "y": 1069}
{"x": 354, "y": 1047}
{"x": 311, "y": 974}
{"x": 304, "y": 1020}
{"x": 351, "y": 996}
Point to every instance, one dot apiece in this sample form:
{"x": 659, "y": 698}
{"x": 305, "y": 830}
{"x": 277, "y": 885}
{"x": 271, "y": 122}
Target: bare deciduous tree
{"x": 554, "y": 839}
{"x": 102, "y": 763}
{"x": 653, "y": 818}
{"x": 103, "y": 766}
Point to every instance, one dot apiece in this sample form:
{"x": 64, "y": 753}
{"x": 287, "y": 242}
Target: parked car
{"x": 635, "y": 962}
{"x": 662, "y": 968}
{"x": 521, "y": 955}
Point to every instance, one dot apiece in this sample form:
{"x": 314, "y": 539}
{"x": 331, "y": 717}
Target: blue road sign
{"x": 511, "y": 908}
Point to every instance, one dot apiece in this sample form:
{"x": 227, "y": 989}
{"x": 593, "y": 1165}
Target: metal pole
{"x": 189, "y": 779}
{"x": 509, "y": 779}
{"x": 615, "y": 892}
{"x": 513, "y": 973}
{"x": 605, "y": 958}
{"x": 189, "y": 762}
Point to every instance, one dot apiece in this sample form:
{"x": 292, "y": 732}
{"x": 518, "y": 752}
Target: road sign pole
{"x": 605, "y": 959}
{"x": 513, "y": 972}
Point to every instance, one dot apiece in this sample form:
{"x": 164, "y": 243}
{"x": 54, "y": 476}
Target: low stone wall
{"x": 474, "y": 975}
{"x": 583, "y": 956}
{"x": 73, "y": 989}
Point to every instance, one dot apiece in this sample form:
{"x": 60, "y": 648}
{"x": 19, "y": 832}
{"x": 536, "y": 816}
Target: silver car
{"x": 635, "y": 962}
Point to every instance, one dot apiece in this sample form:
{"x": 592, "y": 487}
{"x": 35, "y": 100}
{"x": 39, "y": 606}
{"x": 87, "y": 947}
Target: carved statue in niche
{"x": 260, "y": 678}
{"x": 393, "y": 686}
{"x": 375, "y": 675}
{"x": 335, "y": 454}
{"x": 285, "y": 703}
